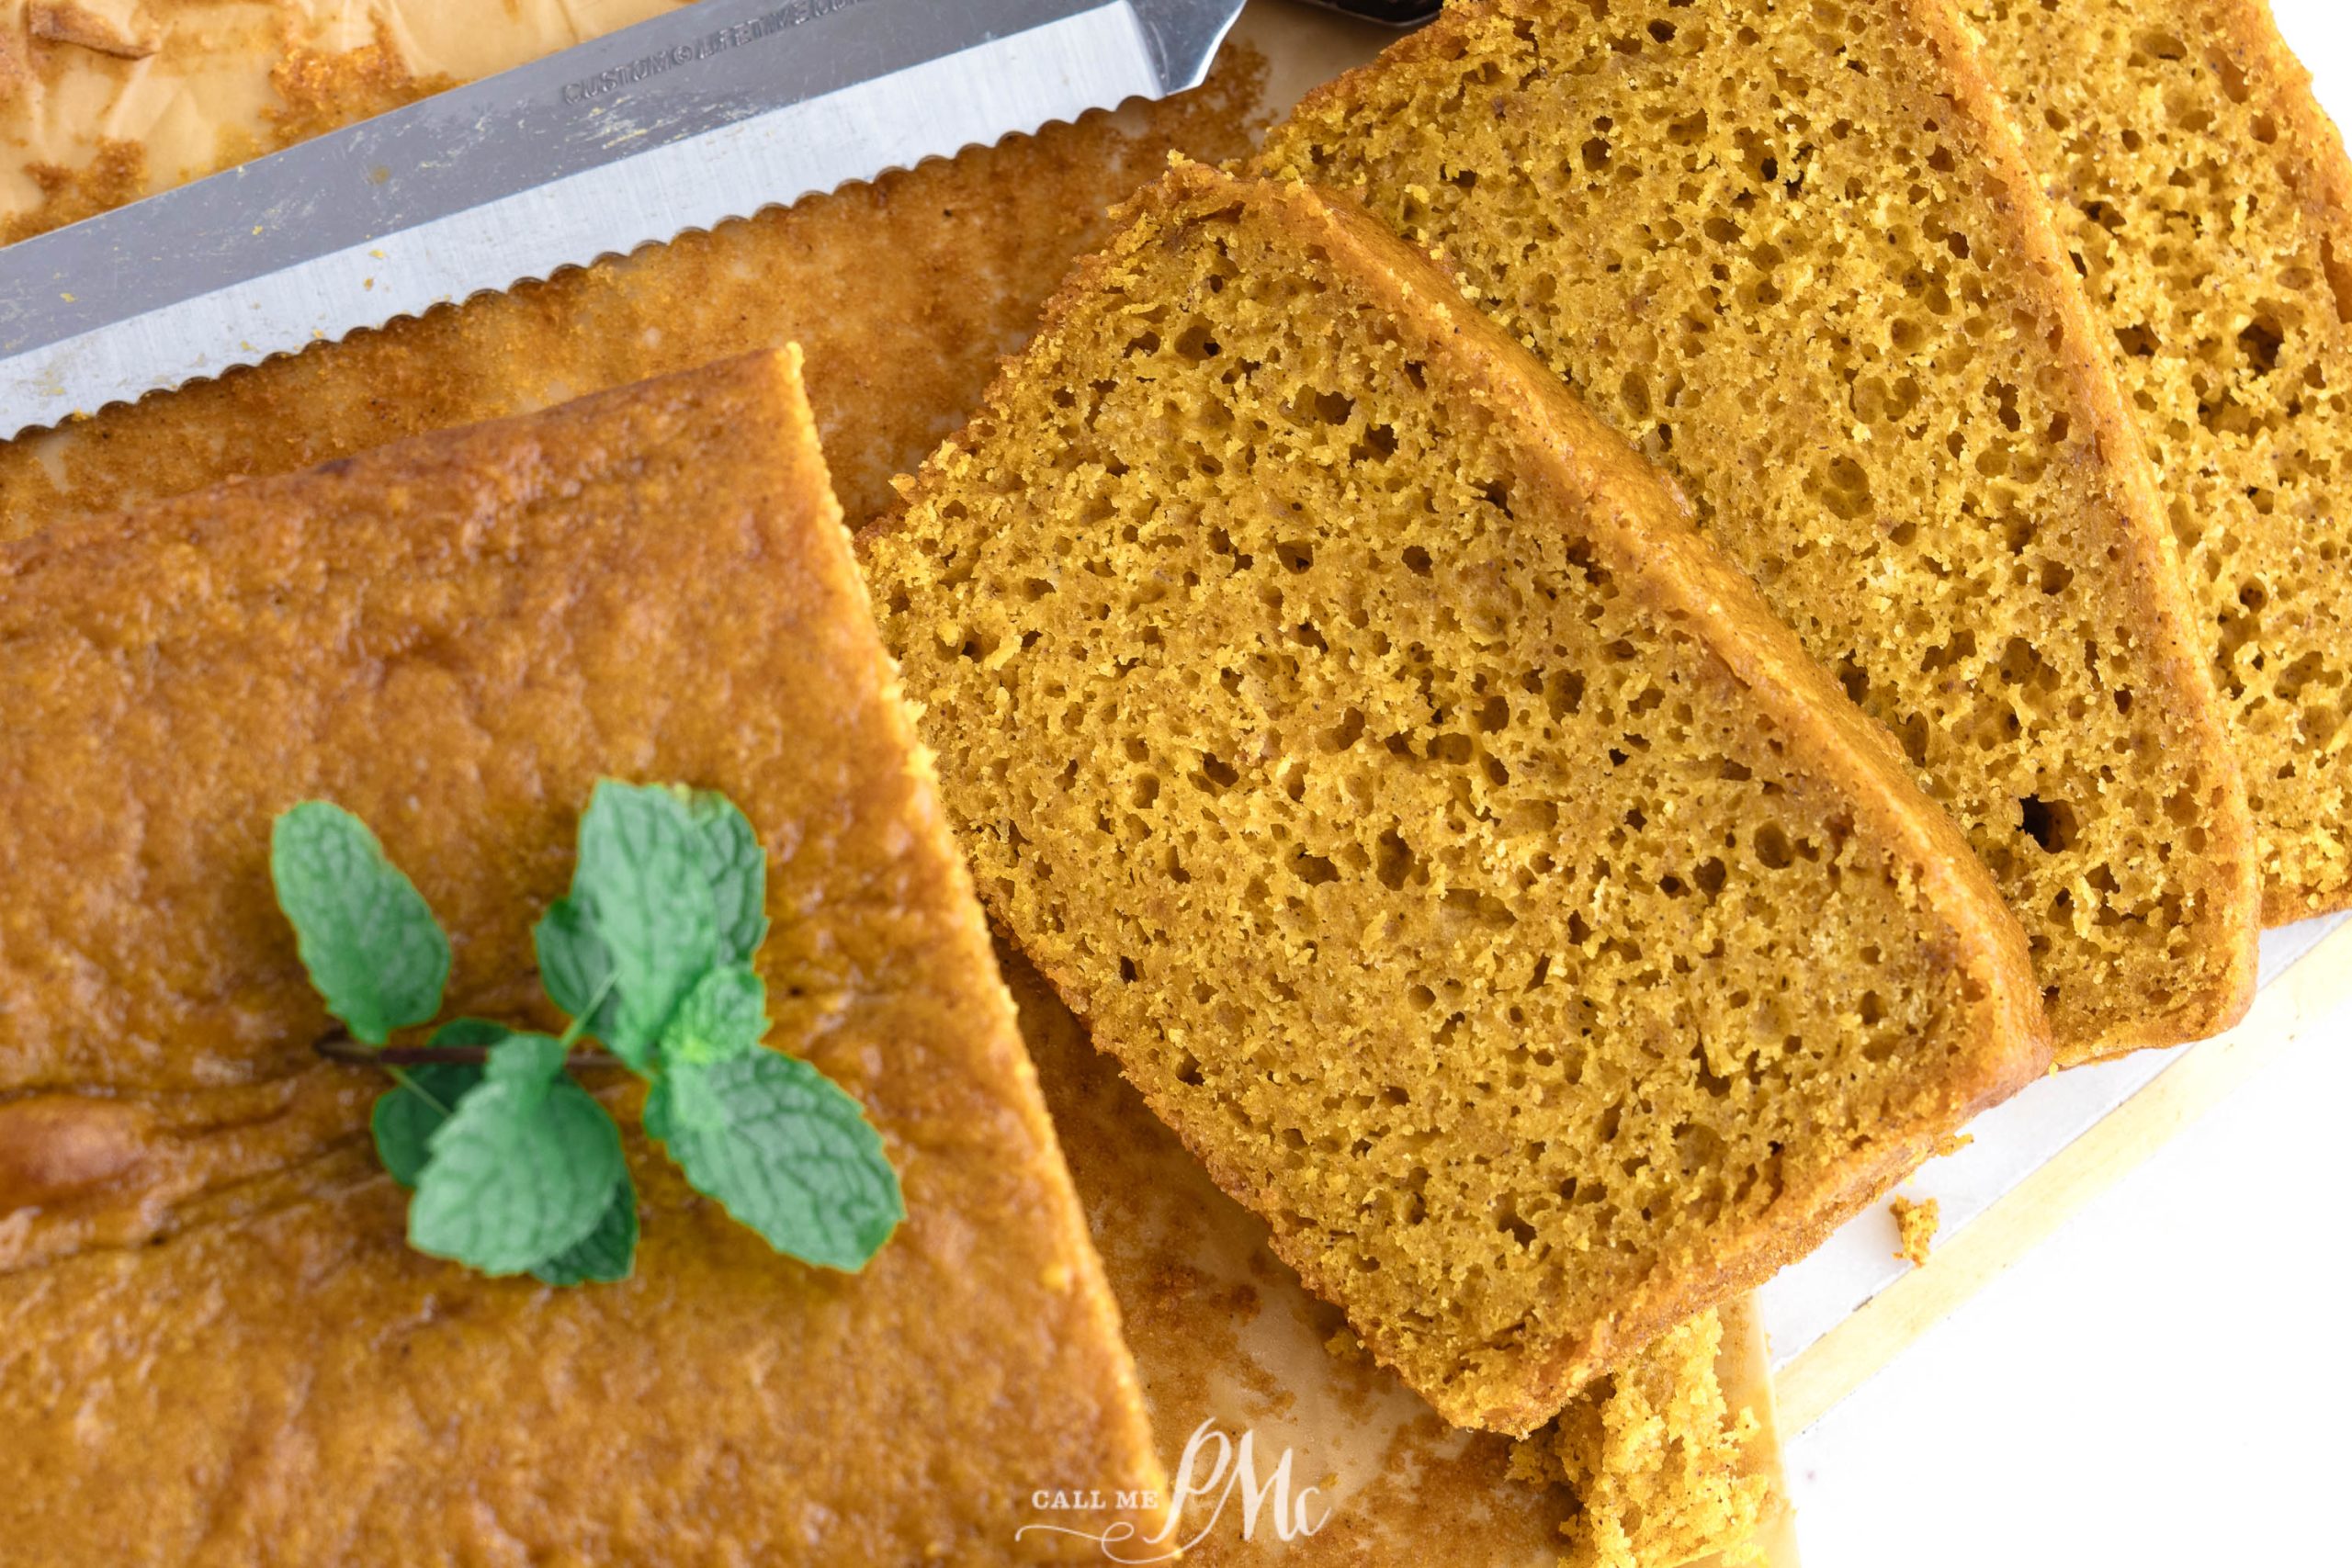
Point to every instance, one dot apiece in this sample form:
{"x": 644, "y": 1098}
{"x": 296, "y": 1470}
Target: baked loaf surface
{"x": 1450, "y": 847}
{"x": 455, "y": 639}
{"x": 1662, "y": 1463}
{"x": 2205, "y": 198}
{"x": 1793, "y": 254}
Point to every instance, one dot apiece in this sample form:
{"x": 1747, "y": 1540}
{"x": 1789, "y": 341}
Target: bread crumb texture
{"x": 2203, "y": 196}
{"x": 1915, "y": 1225}
{"x": 1791, "y": 252}
{"x": 1349, "y": 729}
{"x": 1661, "y": 1465}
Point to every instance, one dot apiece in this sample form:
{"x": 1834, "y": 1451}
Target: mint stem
{"x": 341, "y": 1047}
{"x": 416, "y": 1088}
{"x": 579, "y": 1026}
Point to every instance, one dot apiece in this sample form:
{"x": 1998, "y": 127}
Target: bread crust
{"x": 2308, "y": 155}
{"x": 905, "y": 291}
{"x": 2234, "y": 921}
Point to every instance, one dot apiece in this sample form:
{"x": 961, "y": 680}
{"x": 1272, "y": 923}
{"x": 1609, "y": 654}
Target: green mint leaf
{"x": 523, "y": 1170}
{"x": 409, "y": 1113}
{"x": 785, "y": 1149}
{"x": 642, "y": 884}
{"x": 574, "y": 967}
{"x": 609, "y": 1252}
{"x": 737, "y": 869}
{"x": 366, "y": 934}
{"x": 725, "y": 1015}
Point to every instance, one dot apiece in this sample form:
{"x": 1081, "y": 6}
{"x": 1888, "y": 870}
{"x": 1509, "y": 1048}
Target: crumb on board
{"x": 1915, "y": 1224}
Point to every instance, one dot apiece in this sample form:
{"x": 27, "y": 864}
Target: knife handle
{"x": 1388, "y": 13}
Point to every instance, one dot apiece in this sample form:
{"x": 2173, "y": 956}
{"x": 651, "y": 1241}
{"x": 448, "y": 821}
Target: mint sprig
{"x": 606, "y": 1253}
{"x": 737, "y": 870}
{"x": 515, "y": 1168}
{"x": 407, "y": 1117}
{"x": 574, "y": 969}
{"x": 724, "y": 1017}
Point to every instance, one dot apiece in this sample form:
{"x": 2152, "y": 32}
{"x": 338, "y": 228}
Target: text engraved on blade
{"x": 782, "y": 19}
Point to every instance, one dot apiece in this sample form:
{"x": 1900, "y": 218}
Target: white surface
{"x": 1809, "y": 1299}
{"x": 2166, "y": 1382}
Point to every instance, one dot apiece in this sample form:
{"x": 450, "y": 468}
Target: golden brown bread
{"x": 2205, "y": 198}
{"x": 1794, "y": 254}
{"x": 455, "y": 637}
{"x": 1451, "y": 846}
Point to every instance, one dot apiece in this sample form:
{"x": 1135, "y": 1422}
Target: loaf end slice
{"x": 1450, "y": 846}
{"x": 2205, "y": 198}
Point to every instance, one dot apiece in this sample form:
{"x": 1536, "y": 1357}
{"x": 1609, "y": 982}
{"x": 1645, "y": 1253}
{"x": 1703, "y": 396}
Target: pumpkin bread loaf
{"x": 216, "y": 1344}
{"x": 2205, "y": 198}
{"x": 1793, "y": 254}
{"x": 1449, "y": 844}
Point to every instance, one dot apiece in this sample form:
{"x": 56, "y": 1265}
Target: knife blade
{"x": 710, "y": 112}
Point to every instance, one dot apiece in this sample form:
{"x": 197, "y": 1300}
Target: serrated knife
{"x": 712, "y": 111}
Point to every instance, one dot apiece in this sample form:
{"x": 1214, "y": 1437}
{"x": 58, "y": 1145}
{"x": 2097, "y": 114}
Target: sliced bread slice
{"x": 2206, "y": 200}
{"x": 1665, "y": 1460}
{"x": 1793, "y": 253}
{"x": 1451, "y": 848}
